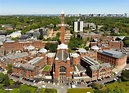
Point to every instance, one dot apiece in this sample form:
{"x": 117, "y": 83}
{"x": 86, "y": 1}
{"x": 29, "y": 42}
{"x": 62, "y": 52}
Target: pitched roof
{"x": 97, "y": 67}
{"x": 62, "y": 55}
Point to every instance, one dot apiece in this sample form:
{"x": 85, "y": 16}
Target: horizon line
{"x": 59, "y": 13}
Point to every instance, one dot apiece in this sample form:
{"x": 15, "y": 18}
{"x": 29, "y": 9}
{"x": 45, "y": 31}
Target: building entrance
{"x": 62, "y": 74}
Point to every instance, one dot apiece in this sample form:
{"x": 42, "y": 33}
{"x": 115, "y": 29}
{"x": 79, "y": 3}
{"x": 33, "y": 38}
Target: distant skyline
{"x": 8, "y": 7}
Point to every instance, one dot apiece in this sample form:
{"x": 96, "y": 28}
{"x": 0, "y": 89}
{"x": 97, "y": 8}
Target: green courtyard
{"x": 47, "y": 68}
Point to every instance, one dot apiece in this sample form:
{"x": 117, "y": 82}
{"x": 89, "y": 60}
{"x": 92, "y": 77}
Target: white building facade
{"x": 78, "y": 26}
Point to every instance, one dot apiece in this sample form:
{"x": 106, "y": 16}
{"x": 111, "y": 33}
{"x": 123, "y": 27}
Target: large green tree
{"x": 51, "y": 47}
{"x": 6, "y": 81}
{"x": 125, "y": 75}
{"x": 9, "y": 68}
{"x": 75, "y": 42}
{"x": 126, "y": 41}
{"x": 1, "y": 77}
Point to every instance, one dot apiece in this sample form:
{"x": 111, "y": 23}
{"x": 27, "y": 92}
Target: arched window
{"x": 62, "y": 69}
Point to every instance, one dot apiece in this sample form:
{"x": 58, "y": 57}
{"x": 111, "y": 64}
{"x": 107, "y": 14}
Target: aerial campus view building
{"x": 30, "y": 60}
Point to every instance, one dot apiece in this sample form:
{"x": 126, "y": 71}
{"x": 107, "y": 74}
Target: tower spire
{"x": 62, "y": 28}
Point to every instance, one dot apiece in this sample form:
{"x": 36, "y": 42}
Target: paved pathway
{"x": 62, "y": 88}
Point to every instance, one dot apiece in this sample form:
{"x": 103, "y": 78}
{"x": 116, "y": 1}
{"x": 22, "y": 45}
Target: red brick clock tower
{"x": 62, "y": 68}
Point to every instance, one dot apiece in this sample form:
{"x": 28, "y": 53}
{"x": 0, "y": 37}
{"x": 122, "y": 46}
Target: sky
{"x": 68, "y": 6}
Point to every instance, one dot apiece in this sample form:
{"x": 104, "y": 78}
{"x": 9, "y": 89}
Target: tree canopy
{"x": 125, "y": 75}
{"x": 75, "y": 42}
{"x": 51, "y": 47}
{"x": 126, "y": 41}
{"x": 9, "y": 68}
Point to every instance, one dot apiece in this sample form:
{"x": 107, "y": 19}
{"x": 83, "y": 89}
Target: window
{"x": 62, "y": 69}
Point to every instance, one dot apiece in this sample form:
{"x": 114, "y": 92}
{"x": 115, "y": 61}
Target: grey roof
{"x": 10, "y": 41}
{"x": 82, "y": 50}
{"x": 17, "y": 55}
{"x": 90, "y": 61}
{"x": 62, "y": 55}
{"x": 36, "y": 34}
{"x": 28, "y": 66}
{"x": 25, "y": 66}
{"x": 113, "y": 53}
{"x": 50, "y": 54}
{"x": 18, "y": 65}
{"x": 2, "y": 38}
{"x": 97, "y": 67}
{"x": 43, "y": 50}
{"x": 33, "y": 52}
{"x": 3, "y": 59}
{"x": 35, "y": 60}
{"x": 74, "y": 54}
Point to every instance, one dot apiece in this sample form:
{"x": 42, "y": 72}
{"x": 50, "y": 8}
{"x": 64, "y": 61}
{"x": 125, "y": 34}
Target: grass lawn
{"x": 30, "y": 88}
{"x": 122, "y": 85}
{"x": 15, "y": 91}
{"x": 11, "y": 82}
{"x": 46, "y": 68}
{"x": 80, "y": 90}
{"x": 43, "y": 90}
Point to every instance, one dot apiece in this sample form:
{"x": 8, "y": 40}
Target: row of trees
{"x": 111, "y": 22}
{"x": 26, "y": 23}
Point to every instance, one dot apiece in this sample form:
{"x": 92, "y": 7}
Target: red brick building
{"x": 62, "y": 70}
{"x": 82, "y": 52}
{"x": 105, "y": 43}
{"x": 29, "y": 69}
{"x": 115, "y": 58}
{"x": 100, "y": 71}
{"x": 63, "y": 66}
{"x": 19, "y": 45}
{"x": 96, "y": 70}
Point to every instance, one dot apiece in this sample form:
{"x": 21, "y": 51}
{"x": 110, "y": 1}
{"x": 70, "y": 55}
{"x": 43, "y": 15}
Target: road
{"x": 60, "y": 88}
{"x": 63, "y": 88}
